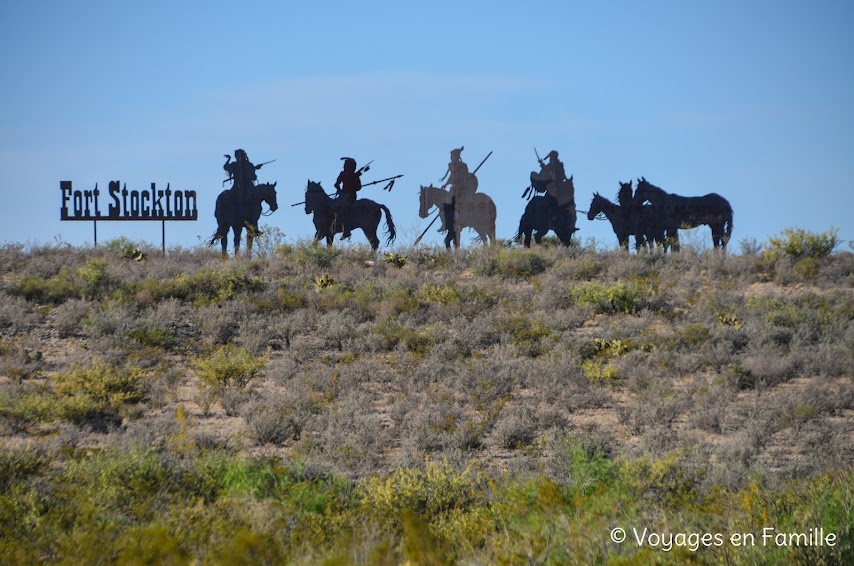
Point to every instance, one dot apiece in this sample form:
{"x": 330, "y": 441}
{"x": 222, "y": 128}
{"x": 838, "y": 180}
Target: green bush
{"x": 228, "y": 366}
{"x": 798, "y": 243}
{"x": 94, "y": 276}
{"x": 56, "y": 289}
{"x": 512, "y": 263}
{"x": 99, "y": 395}
{"x": 623, "y": 297}
{"x": 313, "y": 253}
{"x": 21, "y": 410}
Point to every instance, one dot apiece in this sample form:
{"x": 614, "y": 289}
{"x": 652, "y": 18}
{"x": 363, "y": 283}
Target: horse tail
{"x": 521, "y": 229}
{"x": 391, "y": 231}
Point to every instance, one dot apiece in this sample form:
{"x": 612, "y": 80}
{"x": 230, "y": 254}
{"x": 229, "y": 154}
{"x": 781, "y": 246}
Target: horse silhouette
{"x": 477, "y": 213}
{"x": 678, "y": 212}
{"x": 542, "y": 214}
{"x": 330, "y": 220}
{"x": 234, "y": 213}
{"x": 638, "y": 221}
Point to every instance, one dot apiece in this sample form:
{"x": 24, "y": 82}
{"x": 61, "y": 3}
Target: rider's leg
{"x": 346, "y": 202}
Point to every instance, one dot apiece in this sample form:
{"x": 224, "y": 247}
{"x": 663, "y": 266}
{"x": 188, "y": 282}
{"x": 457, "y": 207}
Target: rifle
{"x": 540, "y": 161}
{"x": 265, "y": 163}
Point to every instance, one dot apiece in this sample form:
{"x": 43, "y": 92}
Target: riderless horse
{"x": 543, "y": 214}
{"x": 638, "y": 221}
{"x": 330, "y": 220}
{"x": 689, "y": 212}
{"x": 477, "y": 213}
{"x": 233, "y": 213}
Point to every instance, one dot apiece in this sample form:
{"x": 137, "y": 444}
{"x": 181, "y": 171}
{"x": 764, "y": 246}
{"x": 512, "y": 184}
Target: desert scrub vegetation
{"x": 492, "y": 405}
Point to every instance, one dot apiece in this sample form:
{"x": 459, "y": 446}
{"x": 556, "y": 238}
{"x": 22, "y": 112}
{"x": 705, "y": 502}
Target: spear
{"x": 390, "y": 185}
{"x": 438, "y": 212}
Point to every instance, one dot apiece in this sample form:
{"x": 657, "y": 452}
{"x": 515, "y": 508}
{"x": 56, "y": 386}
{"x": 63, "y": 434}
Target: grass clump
{"x": 513, "y": 263}
{"x": 620, "y": 297}
{"x": 228, "y": 366}
{"x": 103, "y": 383}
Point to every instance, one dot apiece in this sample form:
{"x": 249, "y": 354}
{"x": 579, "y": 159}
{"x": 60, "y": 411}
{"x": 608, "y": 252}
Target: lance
{"x": 386, "y": 188}
{"x": 303, "y": 202}
{"x": 438, "y": 212}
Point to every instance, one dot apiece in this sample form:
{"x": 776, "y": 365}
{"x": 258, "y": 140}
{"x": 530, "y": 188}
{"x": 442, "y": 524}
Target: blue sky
{"x": 752, "y": 100}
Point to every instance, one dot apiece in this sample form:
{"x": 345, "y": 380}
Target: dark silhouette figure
{"x": 634, "y": 221}
{"x": 233, "y": 216}
{"x": 552, "y": 180}
{"x": 348, "y": 183}
{"x": 241, "y": 171}
{"x": 688, "y": 212}
{"x": 330, "y": 219}
{"x": 647, "y": 226}
{"x": 543, "y": 213}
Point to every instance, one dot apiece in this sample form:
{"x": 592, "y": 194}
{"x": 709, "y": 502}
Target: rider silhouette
{"x": 463, "y": 185}
{"x": 349, "y": 182}
{"x": 241, "y": 171}
{"x": 553, "y": 175}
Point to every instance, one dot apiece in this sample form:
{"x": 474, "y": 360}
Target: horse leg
{"x": 372, "y": 237}
{"x": 538, "y": 237}
{"x": 717, "y": 235}
{"x": 223, "y": 240}
{"x": 237, "y": 232}
{"x": 673, "y": 238}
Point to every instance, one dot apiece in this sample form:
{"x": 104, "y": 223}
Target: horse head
{"x": 314, "y": 196}
{"x": 646, "y": 191}
{"x": 595, "y": 206}
{"x": 422, "y": 202}
{"x": 624, "y": 195}
{"x": 267, "y": 192}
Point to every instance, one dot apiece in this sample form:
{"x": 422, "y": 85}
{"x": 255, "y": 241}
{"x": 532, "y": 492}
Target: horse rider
{"x": 241, "y": 171}
{"x": 463, "y": 184}
{"x": 552, "y": 177}
{"x": 349, "y": 183}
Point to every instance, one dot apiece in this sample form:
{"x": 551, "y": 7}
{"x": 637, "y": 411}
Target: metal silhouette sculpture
{"x": 477, "y": 212}
{"x": 678, "y": 212}
{"x": 554, "y": 210}
{"x": 237, "y": 211}
{"x": 638, "y": 221}
{"x": 543, "y": 214}
{"x": 461, "y": 206}
{"x": 330, "y": 218}
{"x": 240, "y": 206}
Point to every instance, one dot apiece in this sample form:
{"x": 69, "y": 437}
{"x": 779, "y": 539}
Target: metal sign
{"x": 123, "y": 204}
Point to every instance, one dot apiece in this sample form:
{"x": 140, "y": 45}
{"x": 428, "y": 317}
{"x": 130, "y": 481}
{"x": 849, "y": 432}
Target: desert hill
{"x": 498, "y": 405}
